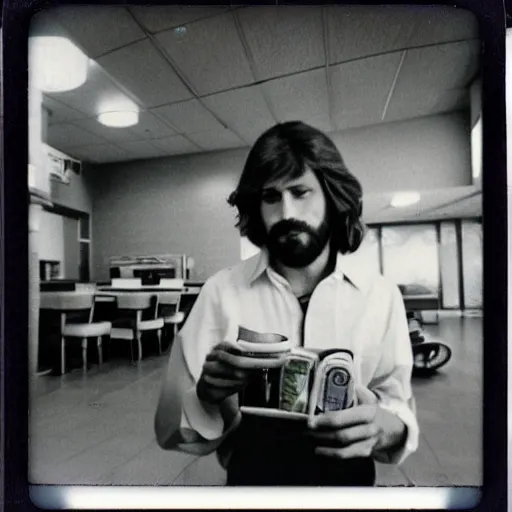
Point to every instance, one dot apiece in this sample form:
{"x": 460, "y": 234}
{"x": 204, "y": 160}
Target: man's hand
{"x": 222, "y": 376}
{"x": 358, "y": 431}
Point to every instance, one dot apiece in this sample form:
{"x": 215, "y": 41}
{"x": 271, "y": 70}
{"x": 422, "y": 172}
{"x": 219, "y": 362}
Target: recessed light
{"x": 402, "y": 199}
{"x": 119, "y": 119}
{"x": 56, "y": 64}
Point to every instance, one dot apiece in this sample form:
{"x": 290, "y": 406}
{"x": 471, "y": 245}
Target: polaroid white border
{"x": 337, "y": 498}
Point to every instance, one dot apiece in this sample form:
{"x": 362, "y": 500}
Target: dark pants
{"x": 279, "y": 453}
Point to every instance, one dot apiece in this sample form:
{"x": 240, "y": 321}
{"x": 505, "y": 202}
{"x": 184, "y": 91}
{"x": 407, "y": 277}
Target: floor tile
{"x": 97, "y": 428}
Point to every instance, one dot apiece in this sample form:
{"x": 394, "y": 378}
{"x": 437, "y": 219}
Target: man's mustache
{"x": 284, "y": 227}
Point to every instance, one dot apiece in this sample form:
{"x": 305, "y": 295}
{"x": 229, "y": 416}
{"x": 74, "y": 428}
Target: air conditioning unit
{"x": 60, "y": 165}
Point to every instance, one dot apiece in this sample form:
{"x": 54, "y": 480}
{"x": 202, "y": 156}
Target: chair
{"x": 84, "y": 303}
{"x": 169, "y": 309}
{"x": 169, "y": 303}
{"x": 126, "y": 282}
{"x": 142, "y": 310}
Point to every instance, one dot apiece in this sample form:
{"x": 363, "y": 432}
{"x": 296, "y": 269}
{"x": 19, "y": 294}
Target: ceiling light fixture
{"x": 402, "y": 199}
{"x": 119, "y": 118}
{"x": 56, "y": 64}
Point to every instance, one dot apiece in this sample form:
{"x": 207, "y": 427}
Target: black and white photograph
{"x": 255, "y": 246}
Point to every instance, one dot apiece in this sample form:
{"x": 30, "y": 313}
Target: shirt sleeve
{"x": 182, "y": 421}
{"x": 392, "y": 382}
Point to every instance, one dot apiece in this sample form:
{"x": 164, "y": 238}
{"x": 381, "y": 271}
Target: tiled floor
{"x": 98, "y": 428}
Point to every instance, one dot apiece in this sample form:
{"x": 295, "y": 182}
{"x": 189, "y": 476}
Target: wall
{"x": 421, "y": 154}
{"x": 71, "y": 252}
{"x": 178, "y": 204}
{"x": 169, "y": 205}
{"x": 76, "y": 194}
{"x": 51, "y": 238}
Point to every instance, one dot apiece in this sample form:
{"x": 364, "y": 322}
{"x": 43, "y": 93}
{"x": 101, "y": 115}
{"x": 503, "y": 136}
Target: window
{"x": 410, "y": 257}
{"x": 472, "y": 259}
{"x": 449, "y": 261}
{"x": 369, "y": 251}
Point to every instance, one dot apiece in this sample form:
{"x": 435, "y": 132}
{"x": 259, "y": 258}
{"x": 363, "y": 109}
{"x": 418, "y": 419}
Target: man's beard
{"x": 295, "y": 243}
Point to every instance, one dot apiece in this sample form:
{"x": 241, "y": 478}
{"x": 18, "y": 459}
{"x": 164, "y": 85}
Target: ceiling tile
{"x": 360, "y": 89}
{"x": 151, "y": 127}
{"x": 357, "y": 31}
{"x": 321, "y": 122}
{"x": 92, "y": 125}
{"x": 176, "y": 145}
{"x": 212, "y": 140}
{"x": 299, "y": 97}
{"x": 156, "y": 18}
{"x": 99, "y": 153}
{"x": 46, "y": 23}
{"x": 444, "y": 66}
{"x": 210, "y": 54}
{"x": 244, "y": 111}
{"x": 188, "y": 116}
{"x": 145, "y": 73}
{"x": 407, "y": 104}
{"x": 142, "y": 149}
{"x": 95, "y": 94}
{"x": 99, "y": 29}
{"x": 66, "y": 135}
{"x": 440, "y": 24}
{"x": 282, "y": 39}
{"x": 59, "y": 112}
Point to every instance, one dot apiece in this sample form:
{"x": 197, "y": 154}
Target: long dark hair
{"x": 285, "y": 151}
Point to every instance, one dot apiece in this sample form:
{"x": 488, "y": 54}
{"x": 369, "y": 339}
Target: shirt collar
{"x": 348, "y": 266}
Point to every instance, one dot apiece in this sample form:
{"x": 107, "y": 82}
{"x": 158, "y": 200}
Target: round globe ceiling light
{"x": 119, "y": 118}
{"x": 403, "y": 199}
{"x": 56, "y": 64}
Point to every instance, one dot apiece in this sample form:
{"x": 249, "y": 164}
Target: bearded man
{"x": 298, "y": 202}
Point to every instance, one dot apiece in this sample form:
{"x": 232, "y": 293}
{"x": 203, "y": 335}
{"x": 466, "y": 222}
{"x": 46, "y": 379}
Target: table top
{"x": 52, "y": 300}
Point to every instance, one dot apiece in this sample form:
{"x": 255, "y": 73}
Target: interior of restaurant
{"x": 135, "y": 144}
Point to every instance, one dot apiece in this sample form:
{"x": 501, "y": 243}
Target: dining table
{"x": 53, "y": 315}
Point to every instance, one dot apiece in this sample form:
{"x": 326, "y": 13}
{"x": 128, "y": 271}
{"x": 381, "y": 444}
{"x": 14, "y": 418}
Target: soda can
{"x": 334, "y": 386}
{"x": 296, "y": 380}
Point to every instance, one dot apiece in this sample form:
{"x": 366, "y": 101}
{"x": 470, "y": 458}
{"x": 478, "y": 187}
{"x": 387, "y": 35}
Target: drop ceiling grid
{"x": 283, "y": 39}
{"x": 212, "y": 58}
{"x": 213, "y": 140}
{"x": 99, "y": 30}
{"x": 68, "y": 135}
{"x": 165, "y": 112}
{"x": 89, "y": 97}
{"x": 176, "y": 144}
{"x": 243, "y": 110}
{"x": 145, "y": 73}
{"x": 250, "y": 98}
{"x": 188, "y": 116}
{"x": 100, "y": 153}
{"x": 164, "y": 17}
{"x": 361, "y": 89}
{"x": 302, "y": 96}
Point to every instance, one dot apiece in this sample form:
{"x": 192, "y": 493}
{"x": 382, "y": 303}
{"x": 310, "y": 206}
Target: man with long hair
{"x": 299, "y": 203}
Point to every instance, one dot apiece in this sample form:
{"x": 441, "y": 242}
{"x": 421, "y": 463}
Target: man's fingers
{"x": 359, "y": 449}
{"x": 219, "y": 382}
{"x": 219, "y": 369}
{"x": 347, "y": 435}
{"x": 345, "y": 418}
{"x": 365, "y": 396}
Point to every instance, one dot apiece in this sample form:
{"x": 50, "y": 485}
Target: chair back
{"x": 66, "y": 301}
{"x": 126, "y": 283}
{"x": 136, "y": 301}
{"x": 172, "y": 283}
{"x": 169, "y": 298}
{"x": 144, "y": 305}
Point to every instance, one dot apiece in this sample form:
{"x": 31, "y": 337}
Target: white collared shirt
{"x": 350, "y": 309}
